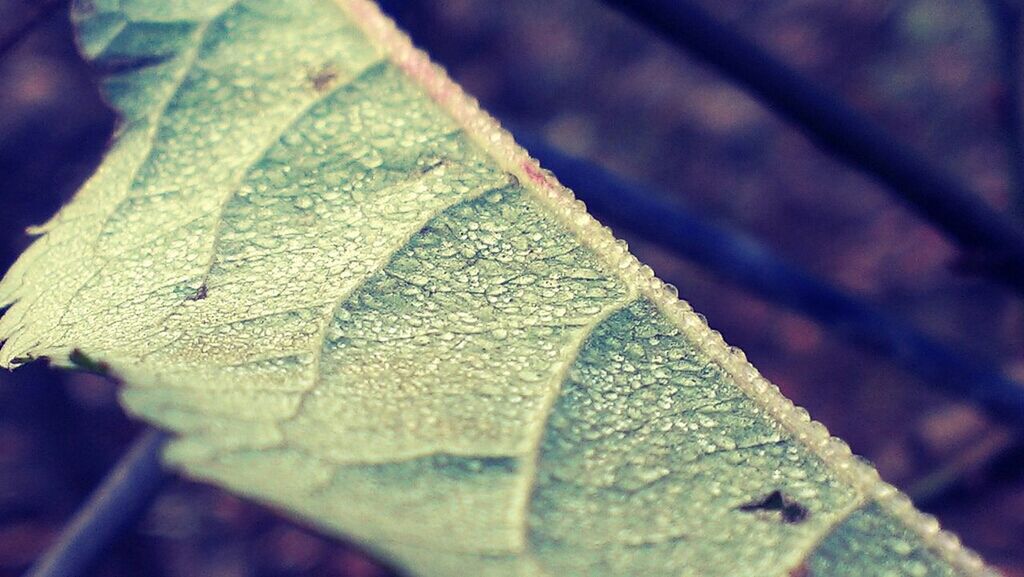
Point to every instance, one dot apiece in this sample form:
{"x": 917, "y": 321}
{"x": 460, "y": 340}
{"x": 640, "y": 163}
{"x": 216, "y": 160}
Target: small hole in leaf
{"x": 323, "y": 78}
{"x": 788, "y": 510}
{"x": 433, "y": 165}
{"x": 794, "y": 513}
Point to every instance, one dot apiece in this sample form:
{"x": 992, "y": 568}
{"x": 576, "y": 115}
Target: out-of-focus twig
{"x": 37, "y": 14}
{"x": 931, "y": 488}
{"x": 993, "y": 243}
{"x": 112, "y": 508}
{"x": 1006, "y": 24}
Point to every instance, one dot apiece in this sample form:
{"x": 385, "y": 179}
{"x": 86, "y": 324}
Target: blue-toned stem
{"x": 118, "y": 502}
{"x": 1005, "y": 16}
{"x": 741, "y": 260}
{"x": 993, "y": 243}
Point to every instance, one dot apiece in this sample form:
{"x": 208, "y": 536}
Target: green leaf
{"x": 352, "y": 296}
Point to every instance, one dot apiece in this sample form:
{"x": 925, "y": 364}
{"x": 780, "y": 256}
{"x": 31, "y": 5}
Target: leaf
{"x": 352, "y": 296}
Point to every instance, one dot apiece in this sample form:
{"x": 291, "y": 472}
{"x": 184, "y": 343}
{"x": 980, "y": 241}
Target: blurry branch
{"x": 36, "y": 16}
{"x": 1006, "y": 25}
{"x": 993, "y": 244}
{"x": 112, "y": 508}
{"x": 746, "y": 263}
{"x": 932, "y": 488}
{"x": 936, "y": 486}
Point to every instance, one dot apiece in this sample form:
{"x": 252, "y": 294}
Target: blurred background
{"x": 596, "y": 85}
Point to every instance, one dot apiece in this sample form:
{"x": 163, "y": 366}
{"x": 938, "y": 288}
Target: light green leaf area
{"x": 352, "y": 296}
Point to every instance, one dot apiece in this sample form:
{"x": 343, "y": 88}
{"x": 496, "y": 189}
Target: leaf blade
{"x": 289, "y": 264}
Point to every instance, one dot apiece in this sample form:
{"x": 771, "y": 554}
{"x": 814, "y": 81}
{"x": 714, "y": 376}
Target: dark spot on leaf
{"x": 323, "y": 78}
{"x": 433, "y": 165}
{"x": 199, "y": 295}
{"x": 84, "y": 362}
{"x": 123, "y": 65}
{"x": 534, "y": 173}
{"x": 789, "y": 510}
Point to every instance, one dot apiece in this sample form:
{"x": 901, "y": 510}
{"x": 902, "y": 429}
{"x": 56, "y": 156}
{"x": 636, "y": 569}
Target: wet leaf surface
{"x": 353, "y": 297}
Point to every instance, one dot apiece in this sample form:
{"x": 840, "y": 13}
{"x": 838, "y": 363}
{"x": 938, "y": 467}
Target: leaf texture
{"x": 352, "y": 296}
